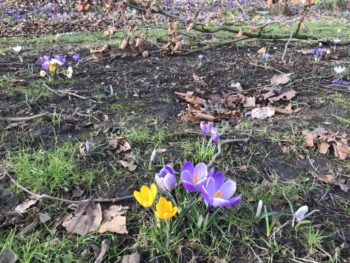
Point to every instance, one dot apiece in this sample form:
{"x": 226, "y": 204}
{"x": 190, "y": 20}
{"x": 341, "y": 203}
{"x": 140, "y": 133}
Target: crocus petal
{"x": 159, "y": 182}
{"x": 169, "y": 169}
{"x": 219, "y": 179}
{"x": 187, "y": 176}
{"x": 234, "y": 201}
{"x": 201, "y": 171}
{"x": 153, "y": 190}
{"x": 169, "y": 182}
{"x": 206, "y": 196}
{"x": 210, "y": 186}
{"x": 228, "y": 189}
{"x": 300, "y": 213}
{"x": 211, "y": 172}
{"x": 189, "y": 186}
{"x": 188, "y": 166}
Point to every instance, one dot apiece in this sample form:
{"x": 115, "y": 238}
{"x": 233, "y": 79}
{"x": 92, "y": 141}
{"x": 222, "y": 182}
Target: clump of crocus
{"x": 317, "y": 53}
{"x": 342, "y": 76}
{"x": 56, "y": 66}
{"x": 208, "y": 128}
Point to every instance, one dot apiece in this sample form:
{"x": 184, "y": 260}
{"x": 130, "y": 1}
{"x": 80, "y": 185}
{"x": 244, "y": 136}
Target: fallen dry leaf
{"x": 324, "y": 147}
{"x": 131, "y": 166}
{"x": 288, "y": 95}
{"x": 21, "y": 208}
{"x": 44, "y": 217}
{"x": 110, "y": 31}
{"x": 342, "y": 151}
{"x": 86, "y": 218}
{"x": 280, "y": 79}
{"x": 97, "y": 53}
{"x": 263, "y": 113}
{"x": 262, "y": 50}
{"x": 330, "y": 179}
{"x": 309, "y": 139}
{"x": 114, "y": 220}
{"x": 239, "y": 34}
{"x": 249, "y": 102}
{"x": 132, "y": 258}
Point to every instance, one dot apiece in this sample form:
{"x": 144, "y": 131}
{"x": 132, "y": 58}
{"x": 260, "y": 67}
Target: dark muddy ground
{"x": 144, "y": 99}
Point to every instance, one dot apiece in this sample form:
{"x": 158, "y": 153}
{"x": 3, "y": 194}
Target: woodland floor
{"x": 143, "y": 108}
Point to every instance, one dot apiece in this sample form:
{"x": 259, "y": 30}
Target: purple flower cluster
{"x": 208, "y": 128}
{"x": 56, "y": 59}
{"x": 341, "y": 82}
{"x": 214, "y": 189}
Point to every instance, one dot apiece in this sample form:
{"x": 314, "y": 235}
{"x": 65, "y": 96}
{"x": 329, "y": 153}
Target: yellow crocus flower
{"x": 146, "y": 195}
{"x": 165, "y": 209}
{"x": 52, "y": 68}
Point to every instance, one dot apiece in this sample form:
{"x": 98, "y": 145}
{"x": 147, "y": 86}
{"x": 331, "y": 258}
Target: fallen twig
{"x": 67, "y": 92}
{"x": 221, "y": 143}
{"x": 29, "y": 118}
{"x": 49, "y": 197}
{"x": 266, "y": 67}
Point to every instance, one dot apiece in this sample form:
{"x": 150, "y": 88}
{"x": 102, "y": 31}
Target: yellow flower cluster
{"x": 164, "y": 208}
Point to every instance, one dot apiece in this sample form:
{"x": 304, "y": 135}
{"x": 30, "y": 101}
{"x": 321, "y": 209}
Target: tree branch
{"x": 48, "y": 197}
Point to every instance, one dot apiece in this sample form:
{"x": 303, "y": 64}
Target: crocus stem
{"x": 209, "y": 143}
{"x": 20, "y": 58}
{"x": 207, "y": 211}
{"x": 167, "y": 222}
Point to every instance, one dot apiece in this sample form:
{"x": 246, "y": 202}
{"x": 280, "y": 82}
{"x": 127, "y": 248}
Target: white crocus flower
{"x": 54, "y": 61}
{"x": 339, "y": 70}
{"x": 153, "y": 155}
{"x": 17, "y": 49}
{"x": 299, "y": 215}
{"x": 259, "y": 208}
{"x": 69, "y": 73}
{"x": 336, "y": 41}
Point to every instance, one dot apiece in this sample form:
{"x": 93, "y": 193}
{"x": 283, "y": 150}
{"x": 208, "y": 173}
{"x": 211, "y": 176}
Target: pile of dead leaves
{"x": 88, "y": 217}
{"x": 327, "y": 141}
{"x": 265, "y": 103}
{"x": 120, "y": 146}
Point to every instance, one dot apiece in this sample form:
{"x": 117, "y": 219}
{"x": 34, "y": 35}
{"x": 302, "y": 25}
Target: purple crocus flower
{"x": 206, "y": 127}
{"x": 215, "y": 135}
{"x": 218, "y": 193}
{"x": 194, "y": 177}
{"x": 166, "y": 178}
{"x": 44, "y": 59}
{"x": 201, "y": 57}
{"x": 76, "y": 58}
{"x": 60, "y": 58}
{"x": 45, "y": 66}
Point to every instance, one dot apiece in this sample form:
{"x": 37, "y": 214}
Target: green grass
{"x": 49, "y": 171}
{"x": 47, "y": 245}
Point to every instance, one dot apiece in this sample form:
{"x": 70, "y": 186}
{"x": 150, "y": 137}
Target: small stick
{"x": 44, "y": 196}
{"x": 18, "y": 119}
{"x": 227, "y": 141}
{"x": 286, "y": 46}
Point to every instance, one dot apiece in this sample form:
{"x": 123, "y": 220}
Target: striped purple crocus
{"x": 166, "y": 178}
